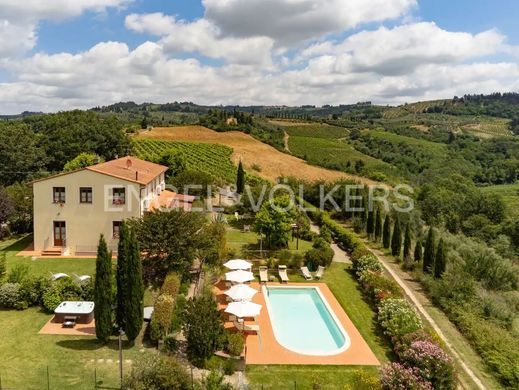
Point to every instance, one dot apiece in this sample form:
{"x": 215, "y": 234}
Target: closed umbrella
{"x": 238, "y": 264}
{"x": 239, "y": 276}
{"x": 241, "y": 292}
{"x": 243, "y": 309}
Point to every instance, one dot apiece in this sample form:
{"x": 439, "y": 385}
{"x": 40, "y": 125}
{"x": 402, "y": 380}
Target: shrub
{"x": 297, "y": 260}
{"x": 401, "y": 345}
{"x": 170, "y": 343}
{"x": 171, "y": 285}
{"x": 432, "y": 364}
{"x": 359, "y": 252}
{"x": 398, "y": 318}
{"x": 32, "y": 290}
{"x": 52, "y": 298}
{"x": 10, "y": 297}
{"x": 379, "y": 287}
{"x": 213, "y": 381}
{"x": 315, "y": 257}
{"x": 162, "y": 315}
{"x": 367, "y": 263}
{"x": 284, "y": 256}
{"x": 18, "y": 274}
{"x": 158, "y": 373}
{"x": 326, "y": 234}
{"x": 235, "y": 344}
{"x": 395, "y": 376}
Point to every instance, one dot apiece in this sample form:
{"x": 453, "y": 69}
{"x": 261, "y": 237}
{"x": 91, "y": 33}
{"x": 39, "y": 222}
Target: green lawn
{"x": 240, "y": 241}
{"x": 43, "y": 266}
{"x": 346, "y": 290}
{"x": 72, "y": 361}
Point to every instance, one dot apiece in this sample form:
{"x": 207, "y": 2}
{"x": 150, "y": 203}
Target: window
{"x": 119, "y": 196}
{"x": 85, "y": 195}
{"x": 58, "y": 194}
{"x": 116, "y": 226}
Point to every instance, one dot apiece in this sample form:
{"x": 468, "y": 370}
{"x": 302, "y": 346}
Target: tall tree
{"x": 3, "y": 266}
{"x": 396, "y": 239}
{"x": 240, "y": 179}
{"x": 370, "y": 224}
{"x": 123, "y": 253}
{"x": 440, "y": 260}
{"x": 428, "y": 255}
{"x": 103, "y": 292}
{"x": 6, "y": 208}
{"x": 202, "y": 325}
{"x": 418, "y": 251}
{"x": 386, "y": 234}
{"x": 407, "y": 241}
{"x": 133, "y": 313}
{"x": 378, "y": 224}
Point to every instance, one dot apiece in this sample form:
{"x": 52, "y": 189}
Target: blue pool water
{"x": 302, "y": 322}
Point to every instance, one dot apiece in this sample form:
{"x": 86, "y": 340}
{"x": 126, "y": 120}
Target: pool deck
{"x": 264, "y": 349}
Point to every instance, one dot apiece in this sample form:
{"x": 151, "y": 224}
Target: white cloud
{"x": 19, "y": 19}
{"x": 292, "y": 21}
{"x": 404, "y": 48}
{"x": 203, "y": 37}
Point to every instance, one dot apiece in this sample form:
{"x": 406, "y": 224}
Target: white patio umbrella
{"x": 238, "y": 264}
{"x": 243, "y": 309}
{"x": 239, "y": 276}
{"x": 240, "y": 292}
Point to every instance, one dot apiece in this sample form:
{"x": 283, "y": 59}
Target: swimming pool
{"x": 303, "y": 322}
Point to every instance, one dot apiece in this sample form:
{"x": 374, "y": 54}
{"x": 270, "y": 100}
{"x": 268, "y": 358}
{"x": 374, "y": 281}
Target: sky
{"x": 66, "y": 54}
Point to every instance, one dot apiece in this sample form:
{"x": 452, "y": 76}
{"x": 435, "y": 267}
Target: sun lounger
{"x": 240, "y": 325}
{"x": 306, "y": 273}
{"x": 320, "y": 272}
{"x": 264, "y": 274}
{"x": 282, "y": 271}
{"x": 82, "y": 278}
{"x": 59, "y": 275}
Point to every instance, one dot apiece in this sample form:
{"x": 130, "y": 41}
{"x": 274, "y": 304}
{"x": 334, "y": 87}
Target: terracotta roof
{"x": 131, "y": 169}
{"x": 172, "y": 200}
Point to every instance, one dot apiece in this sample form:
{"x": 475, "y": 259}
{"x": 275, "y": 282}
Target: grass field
{"x": 347, "y": 292}
{"x": 437, "y": 148}
{"x": 271, "y": 162}
{"x": 332, "y": 153}
{"x": 510, "y": 195}
{"x": 317, "y": 131}
{"x": 249, "y": 241}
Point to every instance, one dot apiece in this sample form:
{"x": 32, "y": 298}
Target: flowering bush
{"x": 402, "y": 344}
{"x": 367, "y": 263}
{"x": 431, "y": 363}
{"x": 398, "y": 317}
{"x": 396, "y": 376}
{"x": 378, "y": 287}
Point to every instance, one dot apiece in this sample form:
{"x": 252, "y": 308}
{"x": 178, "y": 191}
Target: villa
{"x": 72, "y": 209}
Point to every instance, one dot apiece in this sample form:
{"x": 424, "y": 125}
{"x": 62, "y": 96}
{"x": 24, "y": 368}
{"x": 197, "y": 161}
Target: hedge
{"x": 162, "y": 315}
{"x": 171, "y": 285}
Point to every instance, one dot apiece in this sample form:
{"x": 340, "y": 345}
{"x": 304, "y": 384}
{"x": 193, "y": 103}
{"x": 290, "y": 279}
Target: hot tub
{"x": 82, "y": 310}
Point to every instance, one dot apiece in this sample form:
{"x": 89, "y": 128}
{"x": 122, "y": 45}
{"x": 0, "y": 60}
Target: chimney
{"x": 128, "y": 163}
{"x": 136, "y": 175}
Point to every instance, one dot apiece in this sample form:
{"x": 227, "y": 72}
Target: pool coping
{"x": 347, "y": 340}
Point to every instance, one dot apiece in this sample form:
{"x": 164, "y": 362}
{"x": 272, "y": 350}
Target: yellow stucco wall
{"x": 84, "y": 222}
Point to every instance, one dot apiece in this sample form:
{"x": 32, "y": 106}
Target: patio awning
{"x": 239, "y": 276}
{"x": 238, "y": 264}
{"x": 241, "y": 292}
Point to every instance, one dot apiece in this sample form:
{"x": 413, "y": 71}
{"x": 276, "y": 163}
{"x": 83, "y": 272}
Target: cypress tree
{"x": 396, "y": 239}
{"x": 135, "y": 291}
{"x": 378, "y": 224}
{"x": 407, "y": 241}
{"x": 428, "y": 255}
{"x": 240, "y": 179}
{"x": 418, "y": 251}
{"x": 103, "y": 292}
{"x": 122, "y": 274}
{"x": 364, "y": 207}
{"x": 370, "y": 224}
{"x": 3, "y": 265}
{"x": 386, "y": 234}
{"x": 440, "y": 260}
